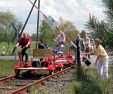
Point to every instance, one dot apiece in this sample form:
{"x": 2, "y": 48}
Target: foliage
{"x": 33, "y": 37}
{"x": 99, "y": 28}
{"x": 48, "y": 34}
{"x": 103, "y": 29}
{"x": 7, "y": 67}
{"x": 68, "y": 28}
{"x": 66, "y": 25}
{"x": 86, "y": 81}
{"x": 45, "y": 34}
{"x": 6, "y": 30}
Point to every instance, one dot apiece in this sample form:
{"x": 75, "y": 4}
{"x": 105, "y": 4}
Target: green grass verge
{"x": 6, "y": 68}
{"x": 86, "y": 81}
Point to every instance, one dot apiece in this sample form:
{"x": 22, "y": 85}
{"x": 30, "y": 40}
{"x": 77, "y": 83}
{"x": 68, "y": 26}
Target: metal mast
{"x": 38, "y": 17}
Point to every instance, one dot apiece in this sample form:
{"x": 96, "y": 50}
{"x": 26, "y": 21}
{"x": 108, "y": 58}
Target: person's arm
{"x": 16, "y": 45}
{"x": 19, "y": 43}
{"x": 96, "y": 60}
{"x": 82, "y": 46}
{"x": 29, "y": 42}
{"x": 57, "y": 38}
{"x": 64, "y": 38}
{"x": 92, "y": 52}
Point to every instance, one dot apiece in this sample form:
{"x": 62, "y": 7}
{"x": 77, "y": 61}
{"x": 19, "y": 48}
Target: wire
{"x": 59, "y": 29}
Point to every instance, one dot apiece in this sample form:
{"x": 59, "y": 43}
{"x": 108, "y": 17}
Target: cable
{"x": 59, "y": 30}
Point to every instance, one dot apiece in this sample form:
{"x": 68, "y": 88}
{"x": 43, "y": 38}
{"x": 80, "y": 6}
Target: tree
{"x": 48, "y": 34}
{"x": 6, "y": 20}
{"x": 68, "y": 28}
{"x": 33, "y": 37}
{"x": 103, "y": 29}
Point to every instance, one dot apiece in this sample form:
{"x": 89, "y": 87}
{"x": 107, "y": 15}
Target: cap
{"x": 98, "y": 40}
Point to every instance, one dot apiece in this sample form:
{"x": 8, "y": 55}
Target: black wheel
{"x": 29, "y": 73}
{"x": 17, "y": 73}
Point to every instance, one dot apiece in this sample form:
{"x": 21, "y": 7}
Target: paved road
{"x": 10, "y": 57}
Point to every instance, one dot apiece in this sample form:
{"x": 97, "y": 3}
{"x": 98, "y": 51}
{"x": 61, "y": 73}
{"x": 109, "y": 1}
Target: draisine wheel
{"x": 17, "y": 73}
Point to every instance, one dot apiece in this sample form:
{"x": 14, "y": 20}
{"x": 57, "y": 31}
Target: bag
{"x": 87, "y": 62}
{"x": 36, "y": 64}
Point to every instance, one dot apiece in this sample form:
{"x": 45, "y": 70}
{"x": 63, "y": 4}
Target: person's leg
{"x": 88, "y": 50}
{"x": 99, "y": 68}
{"x": 26, "y": 54}
{"x": 23, "y": 53}
{"x": 75, "y": 54}
{"x": 105, "y": 69}
{"x": 78, "y": 56}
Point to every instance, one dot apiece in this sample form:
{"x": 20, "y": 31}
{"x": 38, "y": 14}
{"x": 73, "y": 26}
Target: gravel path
{"x": 56, "y": 86}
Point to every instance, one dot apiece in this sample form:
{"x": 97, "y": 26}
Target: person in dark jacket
{"x": 79, "y": 47}
{"x": 42, "y": 45}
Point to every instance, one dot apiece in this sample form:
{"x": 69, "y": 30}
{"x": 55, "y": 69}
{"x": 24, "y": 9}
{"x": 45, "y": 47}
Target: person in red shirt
{"x": 25, "y": 45}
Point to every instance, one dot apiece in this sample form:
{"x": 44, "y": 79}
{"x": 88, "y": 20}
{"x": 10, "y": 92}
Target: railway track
{"x": 11, "y": 85}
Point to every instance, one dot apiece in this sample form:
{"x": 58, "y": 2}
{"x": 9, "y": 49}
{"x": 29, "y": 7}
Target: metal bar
{"x": 56, "y": 27}
{"x": 7, "y": 79}
{"x": 38, "y": 17}
{"x": 66, "y": 37}
{"x": 27, "y": 19}
{"x": 37, "y": 8}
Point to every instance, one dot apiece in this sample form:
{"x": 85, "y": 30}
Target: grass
{"x": 6, "y": 68}
{"x": 8, "y": 50}
{"x": 86, "y": 81}
{"x": 38, "y": 90}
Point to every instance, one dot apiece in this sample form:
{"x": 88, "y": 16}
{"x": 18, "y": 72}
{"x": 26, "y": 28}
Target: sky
{"x": 76, "y": 11}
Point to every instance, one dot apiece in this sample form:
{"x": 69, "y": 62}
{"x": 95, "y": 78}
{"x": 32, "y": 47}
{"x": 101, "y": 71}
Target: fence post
{"x": 3, "y": 50}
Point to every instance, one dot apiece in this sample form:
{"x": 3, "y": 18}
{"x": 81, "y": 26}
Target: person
{"x": 80, "y": 46}
{"x": 61, "y": 39}
{"x": 42, "y": 45}
{"x": 87, "y": 44}
{"x": 25, "y": 42}
{"x": 101, "y": 60}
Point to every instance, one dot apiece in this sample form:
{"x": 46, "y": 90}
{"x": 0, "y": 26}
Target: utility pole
{"x": 38, "y": 17}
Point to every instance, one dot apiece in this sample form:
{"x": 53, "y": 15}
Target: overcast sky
{"x": 76, "y": 11}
